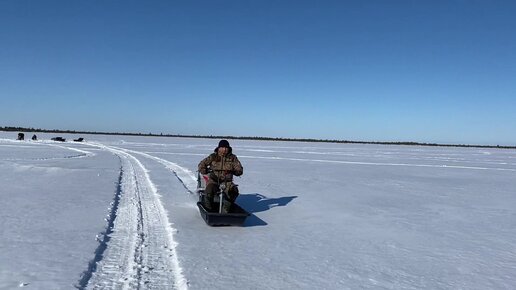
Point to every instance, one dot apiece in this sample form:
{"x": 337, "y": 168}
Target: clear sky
{"x": 424, "y": 71}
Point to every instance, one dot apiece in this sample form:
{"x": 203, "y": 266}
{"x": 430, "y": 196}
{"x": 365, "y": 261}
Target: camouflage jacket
{"x": 221, "y": 168}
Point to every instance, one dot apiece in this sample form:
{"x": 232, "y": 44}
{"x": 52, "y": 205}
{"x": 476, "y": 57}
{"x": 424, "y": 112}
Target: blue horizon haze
{"x": 421, "y": 71}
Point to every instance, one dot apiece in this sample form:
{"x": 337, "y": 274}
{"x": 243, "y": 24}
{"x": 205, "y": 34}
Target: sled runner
{"x": 236, "y": 215}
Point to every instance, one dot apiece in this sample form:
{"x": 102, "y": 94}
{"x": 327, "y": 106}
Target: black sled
{"x": 235, "y": 217}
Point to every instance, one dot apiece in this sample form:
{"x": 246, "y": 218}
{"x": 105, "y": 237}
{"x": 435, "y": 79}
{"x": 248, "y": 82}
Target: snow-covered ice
{"x": 118, "y": 212}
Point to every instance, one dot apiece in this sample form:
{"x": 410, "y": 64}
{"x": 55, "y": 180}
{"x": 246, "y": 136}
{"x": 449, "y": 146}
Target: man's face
{"x": 222, "y": 151}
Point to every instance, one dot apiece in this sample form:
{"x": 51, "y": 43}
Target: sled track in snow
{"x": 82, "y": 153}
{"x": 185, "y": 176}
{"x": 138, "y": 250}
{"x": 104, "y": 237}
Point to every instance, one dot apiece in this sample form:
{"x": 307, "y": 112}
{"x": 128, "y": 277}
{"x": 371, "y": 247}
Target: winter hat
{"x": 223, "y": 143}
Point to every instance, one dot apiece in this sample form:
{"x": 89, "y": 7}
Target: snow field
{"x": 119, "y": 212}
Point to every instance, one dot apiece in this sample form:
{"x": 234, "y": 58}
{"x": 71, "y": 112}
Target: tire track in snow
{"x": 82, "y": 153}
{"x": 379, "y": 163}
{"x": 369, "y": 163}
{"x": 104, "y": 237}
{"x": 140, "y": 251}
{"x": 187, "y": 178}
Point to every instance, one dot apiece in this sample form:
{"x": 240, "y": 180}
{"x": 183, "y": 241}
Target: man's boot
{"x": 206, "y": 202}
{"x": 226, "y": 206}
{"x": 209, "y": 193}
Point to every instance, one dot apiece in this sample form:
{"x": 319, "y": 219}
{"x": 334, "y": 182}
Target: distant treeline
{"x": 23, "y": 129}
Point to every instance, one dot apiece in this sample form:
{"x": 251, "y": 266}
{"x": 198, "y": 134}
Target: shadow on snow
{"x": 255, "y": 202}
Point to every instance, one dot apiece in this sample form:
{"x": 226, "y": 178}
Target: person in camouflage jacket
{"x": 221, "y": 166}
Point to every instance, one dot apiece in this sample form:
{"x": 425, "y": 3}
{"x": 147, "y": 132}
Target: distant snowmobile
{"x": 237, "y": 215}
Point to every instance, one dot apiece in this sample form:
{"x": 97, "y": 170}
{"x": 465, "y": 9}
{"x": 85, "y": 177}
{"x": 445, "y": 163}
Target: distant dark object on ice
{"x": 34, "y": 137}
{"x": 21, "y": 136}
{"x": 60, "y": 139}
{"x": 78, "y": 140}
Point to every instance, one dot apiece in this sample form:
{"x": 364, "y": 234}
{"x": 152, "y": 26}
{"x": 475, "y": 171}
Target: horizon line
{"x": 257, "y": 138}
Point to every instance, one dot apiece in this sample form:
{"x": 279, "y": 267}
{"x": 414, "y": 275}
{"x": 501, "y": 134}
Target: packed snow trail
{"x": 17, "y": 144}
{"x": 184, "y": 175}
{"x": 141, "y": 249}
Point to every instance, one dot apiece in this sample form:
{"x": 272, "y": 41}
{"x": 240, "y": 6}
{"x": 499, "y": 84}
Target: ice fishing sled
{"x": 235, "y": 217}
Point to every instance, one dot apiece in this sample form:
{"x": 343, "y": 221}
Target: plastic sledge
{"x": 236, "y": 217}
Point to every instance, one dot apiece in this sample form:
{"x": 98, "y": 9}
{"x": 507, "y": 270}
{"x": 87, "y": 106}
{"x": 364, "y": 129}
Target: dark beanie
{"x": 224, "y": 143}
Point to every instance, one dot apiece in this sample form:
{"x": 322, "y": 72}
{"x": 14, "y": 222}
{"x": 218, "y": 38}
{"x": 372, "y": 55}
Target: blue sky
{"x": 424, "y": 71}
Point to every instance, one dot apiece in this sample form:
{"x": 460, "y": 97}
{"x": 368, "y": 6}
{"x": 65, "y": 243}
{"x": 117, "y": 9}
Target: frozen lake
{"x": 118, "y": 212}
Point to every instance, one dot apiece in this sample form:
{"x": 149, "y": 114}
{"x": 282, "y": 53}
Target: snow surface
{"x": 118, "y": 212}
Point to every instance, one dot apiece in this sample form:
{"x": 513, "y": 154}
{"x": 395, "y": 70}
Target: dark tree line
{"x": 24, "y": 129}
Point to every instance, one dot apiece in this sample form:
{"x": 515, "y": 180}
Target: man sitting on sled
{"x": 221, "y": 166}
